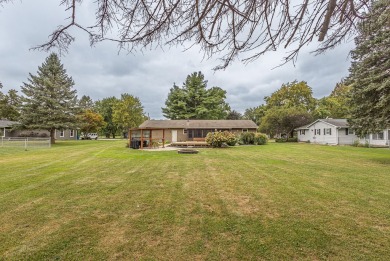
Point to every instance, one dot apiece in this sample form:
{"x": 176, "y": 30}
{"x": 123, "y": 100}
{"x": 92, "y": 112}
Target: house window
{"x": 378, "y": 136}
{"x": 350, "y": 131}
{"x": 61, "y": 133}
{"x": 317, "y": 131}
{"x": 185, "y": 131}
{"x": 302, "y": 132}
{"x": 71, "y": 133}
{"x": 244, "y": 130}
{"x": 328, "y": 131}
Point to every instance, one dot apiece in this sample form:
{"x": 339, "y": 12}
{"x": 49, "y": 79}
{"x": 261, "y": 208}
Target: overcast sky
{"x": 101, "y": 71}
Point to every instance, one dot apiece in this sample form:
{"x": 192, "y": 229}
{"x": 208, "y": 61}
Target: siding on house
{"x": 377, "y": 140}
{"x": 186, "y": 129}
{"x": 337, "y": 132}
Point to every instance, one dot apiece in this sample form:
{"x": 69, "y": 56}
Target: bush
{"x": 356, "y": 143}
{"x": 216, "y": 139}
{"x": 247, "y": 138}
{"x": 231, "y": 139}
{"x": 280, "y": 140}
{"x": 294, "y": 139}
{"x": 260, "y": 139}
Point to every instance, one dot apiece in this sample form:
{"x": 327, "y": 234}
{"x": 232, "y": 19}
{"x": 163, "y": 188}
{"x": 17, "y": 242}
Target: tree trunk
{"x": 52, "y": 138}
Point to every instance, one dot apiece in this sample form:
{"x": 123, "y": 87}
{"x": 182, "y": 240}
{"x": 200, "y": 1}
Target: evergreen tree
{"x": 86, "y": 103}
{"x": 195, "y": 101}
{"x": 49, "y": 101}
{"x": 370, "y": 72}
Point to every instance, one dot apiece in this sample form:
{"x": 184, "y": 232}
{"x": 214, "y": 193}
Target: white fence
{"x": 25, "y": 142}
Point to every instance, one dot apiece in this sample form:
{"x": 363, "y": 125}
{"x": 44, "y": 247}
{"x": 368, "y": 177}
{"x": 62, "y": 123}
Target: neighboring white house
{"x": 337, "y": 132}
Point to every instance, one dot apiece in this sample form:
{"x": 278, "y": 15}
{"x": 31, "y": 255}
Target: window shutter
{"x": 324, "y": 131}
{"x": 330, "y": 131}
{"x": 346, "y": 131}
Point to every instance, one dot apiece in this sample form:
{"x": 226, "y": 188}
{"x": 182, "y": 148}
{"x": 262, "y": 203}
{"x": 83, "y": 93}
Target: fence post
{"x": 25, "y": 144}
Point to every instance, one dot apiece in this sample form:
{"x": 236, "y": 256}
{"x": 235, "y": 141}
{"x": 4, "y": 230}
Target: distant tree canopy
{"x": 336, "y": 105}
{"x": 106, "y": 108}
{"x": 287, "y": 108}
{"x": 283, "y": 120}
{"x": 255, "y": 114}
{"x": 49, "y": 100}
{"x": 10, "y": 105}
{"x": 128, "y": 112}
{"x": 370, "y": 72}
{"x": 195, "y": 101}
{"x": 90, "y": 121}
{"x": 294, "y": 94}
{"x": 225, "y": 28}
{"x": 234, "y": 115}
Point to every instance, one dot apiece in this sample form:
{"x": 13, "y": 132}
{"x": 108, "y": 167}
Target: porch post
{"x": 163, "y": 139}
{"x": 150, "y": 138}
{"x": 142, "y": 139}
{"x": 129, "y": 138}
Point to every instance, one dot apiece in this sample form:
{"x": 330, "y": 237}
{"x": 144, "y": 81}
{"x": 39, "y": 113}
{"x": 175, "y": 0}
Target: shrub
{"x": 356, "y": 143}
{"x": 231, "y": 139}
{"x": 294, "y": 139}
{"x": 247, "y": 138}
{"x": 216, "y": 139}
{"x": 260, "y": 139}
{"x": 280, "y": 140}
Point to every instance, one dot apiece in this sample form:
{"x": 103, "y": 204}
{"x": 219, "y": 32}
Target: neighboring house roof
{"x": 338, "y": 123}
{"x": 304, "y": 127}
{"x": 7, "y": 123}
{"x": 198, "y": 124}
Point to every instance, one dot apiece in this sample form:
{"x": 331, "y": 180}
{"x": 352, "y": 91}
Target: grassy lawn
{"x": 89, "y": 200}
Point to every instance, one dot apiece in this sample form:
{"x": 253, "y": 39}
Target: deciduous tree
{"x": 90, "y": 121}
{"x": 128, "y": 112}
{"x": 294, "y": 94}
{"x": 255, "y": 114}
{"x": 370, "y": 72}
{"x": 336, "y": 105}
{"x": 195, "y": 101}
{"x": 105, "y": 107}
{"x": 225, "y": 28}
{"x": 49, "y": 100}
{"x": 10, "y": 105}
{"x": 283, "y": 120}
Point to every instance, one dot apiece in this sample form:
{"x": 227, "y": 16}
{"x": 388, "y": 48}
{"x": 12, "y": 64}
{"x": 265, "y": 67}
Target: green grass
{"x": 89, "y": 200}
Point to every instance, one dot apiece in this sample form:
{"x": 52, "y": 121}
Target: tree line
{"x": 49, "y": 102}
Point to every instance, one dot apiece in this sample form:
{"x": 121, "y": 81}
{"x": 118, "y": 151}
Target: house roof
{"x": 198, "y": 124}
{"x": 7, "y": 123}
{"x": 338, "y": 123}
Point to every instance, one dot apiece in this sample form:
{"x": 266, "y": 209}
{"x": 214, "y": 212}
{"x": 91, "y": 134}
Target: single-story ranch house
{"x": 338, "y": 132}
{"x": 185, "y": 130}
{"x": 7, "y": 131}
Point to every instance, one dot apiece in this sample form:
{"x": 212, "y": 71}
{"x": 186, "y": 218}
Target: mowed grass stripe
{"x": 100, "y": 200}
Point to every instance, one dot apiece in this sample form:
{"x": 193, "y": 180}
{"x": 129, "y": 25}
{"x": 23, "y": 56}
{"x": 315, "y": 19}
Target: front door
{"x": 174, "y": 135}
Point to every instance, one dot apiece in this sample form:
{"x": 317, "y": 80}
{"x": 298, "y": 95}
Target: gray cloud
{"x": 101, "y": 72}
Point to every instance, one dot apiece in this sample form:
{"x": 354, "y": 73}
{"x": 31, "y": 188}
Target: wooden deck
{"x": 190, "y": 144}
